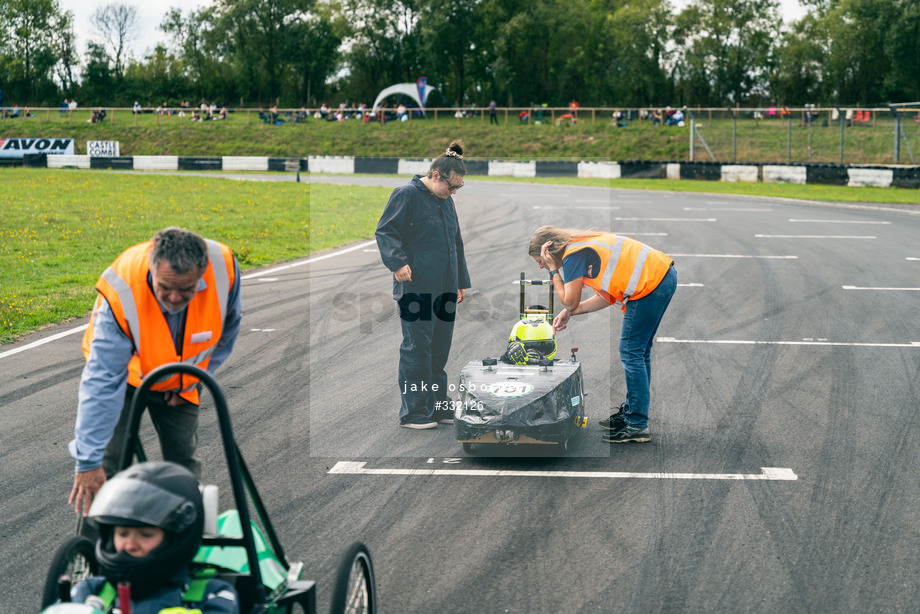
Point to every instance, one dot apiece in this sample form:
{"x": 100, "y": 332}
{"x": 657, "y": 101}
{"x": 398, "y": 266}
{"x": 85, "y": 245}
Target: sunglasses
{"x": 451, "y": 186}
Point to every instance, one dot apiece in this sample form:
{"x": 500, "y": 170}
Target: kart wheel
{"x": 75, "y": 558}
{"x": 355, "y": 591}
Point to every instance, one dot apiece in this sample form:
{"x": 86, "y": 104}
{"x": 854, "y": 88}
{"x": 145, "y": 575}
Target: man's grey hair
{"x": 181, "y": 248}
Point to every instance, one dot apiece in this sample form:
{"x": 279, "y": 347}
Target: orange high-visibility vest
{"x": 124, "y": 286}
{"x": 629, "y": 269}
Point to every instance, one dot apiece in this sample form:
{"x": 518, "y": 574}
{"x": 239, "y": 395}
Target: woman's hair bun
{"x": 456, "y": 146}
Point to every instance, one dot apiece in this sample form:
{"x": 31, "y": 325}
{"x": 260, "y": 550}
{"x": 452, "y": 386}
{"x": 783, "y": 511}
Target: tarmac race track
{"x": 781, "y": 476}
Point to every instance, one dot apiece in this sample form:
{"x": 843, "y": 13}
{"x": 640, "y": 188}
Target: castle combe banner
{"x": 18, "y": 148}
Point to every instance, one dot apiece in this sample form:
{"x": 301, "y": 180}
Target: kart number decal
{"x": 510, "y": 389}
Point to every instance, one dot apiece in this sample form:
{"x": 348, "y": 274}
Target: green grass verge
{"x": 59, "y": 229}
{"x": 822, "y": 193}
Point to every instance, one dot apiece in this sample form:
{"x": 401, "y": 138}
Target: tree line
{"x": 629, "y": 53}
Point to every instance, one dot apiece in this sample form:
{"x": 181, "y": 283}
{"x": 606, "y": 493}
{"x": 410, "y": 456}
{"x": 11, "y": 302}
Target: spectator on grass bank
{"x": 73, "y": 104}
{"x": 419, "y": 240}
{"x": 493, "y": 113}
{"x": 573, "y": 108}
{"x": 175, "y": 298}
{"x": 97, "y": 115}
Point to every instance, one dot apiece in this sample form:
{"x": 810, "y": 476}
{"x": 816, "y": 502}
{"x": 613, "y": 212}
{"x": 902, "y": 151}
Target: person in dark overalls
{"x": 419, "y": 240}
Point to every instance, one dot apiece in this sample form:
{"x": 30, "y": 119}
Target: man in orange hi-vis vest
{"x": 620, "y": 271}
{"x": 175, "y": 298}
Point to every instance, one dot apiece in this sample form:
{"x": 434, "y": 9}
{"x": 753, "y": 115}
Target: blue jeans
{"x": 640, "y": 324}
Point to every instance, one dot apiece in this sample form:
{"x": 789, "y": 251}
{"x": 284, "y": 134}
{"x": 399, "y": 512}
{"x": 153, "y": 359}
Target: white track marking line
{"x": 910, "y": 344}
{"x": 732, "y": 256}
{"x": 291, "y": 265}
{"x": 815, "y": 237}
{"x": 882, "y": 289}
{"x": 767, "y": 473}
{"x": 836, "y": 221}
{"x": 732, "y": 209}
{"x": 912, "y": 258}
{"x": 576, "y": 207}
{"x": 35, "y": 344}
{"x": 691, "y": 285}
{"x": 665, "y": 219}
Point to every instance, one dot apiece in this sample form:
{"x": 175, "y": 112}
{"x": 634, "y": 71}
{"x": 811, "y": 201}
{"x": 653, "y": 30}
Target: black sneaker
{"x": 628, "y": 434}
{"x": 615, "y": 422}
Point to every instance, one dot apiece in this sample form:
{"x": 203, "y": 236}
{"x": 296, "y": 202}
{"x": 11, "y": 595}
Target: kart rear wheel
{"x": 75, "y": 558}
{"x": 355, "y": 591}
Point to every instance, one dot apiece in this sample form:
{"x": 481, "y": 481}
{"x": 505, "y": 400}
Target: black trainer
{"x": 615, "y": 422}
{"x": 628, "y": 434}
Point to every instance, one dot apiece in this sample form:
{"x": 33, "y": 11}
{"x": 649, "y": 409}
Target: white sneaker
{"x": 419, "y": 425}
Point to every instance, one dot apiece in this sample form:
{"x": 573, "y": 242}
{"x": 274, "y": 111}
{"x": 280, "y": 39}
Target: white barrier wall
{"x": 412, "y": 167}
{"x": 68, "y": 161}
{"x": 336, "y": 165}
{"x": 784, "y": 174}
{"x": 672, "y": 171}
{"x": 735, "y": 173}
{"x": 156, "y": 163}
{"x": 243, "y": 163}
{"x": 877, "y": 177}
{"x": 512, "y": 169}
{"x": 599, "y": 170}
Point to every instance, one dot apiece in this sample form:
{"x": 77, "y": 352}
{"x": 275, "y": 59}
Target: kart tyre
{"x": 355, "y": 591}
{"x": 76, "y": 558}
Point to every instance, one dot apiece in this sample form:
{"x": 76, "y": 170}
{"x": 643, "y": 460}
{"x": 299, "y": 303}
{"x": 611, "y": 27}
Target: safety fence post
{"x": 842, "y": 116}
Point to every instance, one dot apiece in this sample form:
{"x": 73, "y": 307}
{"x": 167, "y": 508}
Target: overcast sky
{"x": 150, "y": 14}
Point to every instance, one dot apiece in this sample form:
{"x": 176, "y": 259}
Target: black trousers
{"x": 423, "y": 354}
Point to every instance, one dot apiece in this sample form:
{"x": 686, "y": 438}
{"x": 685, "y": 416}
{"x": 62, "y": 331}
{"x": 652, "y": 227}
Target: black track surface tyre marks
{"x": 32, "y": 386}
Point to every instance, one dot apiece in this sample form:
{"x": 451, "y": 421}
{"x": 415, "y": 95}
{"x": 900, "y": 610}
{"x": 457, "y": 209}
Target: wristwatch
{"x": 553, "y": 272}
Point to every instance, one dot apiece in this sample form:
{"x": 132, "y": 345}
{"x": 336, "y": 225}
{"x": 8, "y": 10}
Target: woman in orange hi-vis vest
{"x": 624, "y": 272}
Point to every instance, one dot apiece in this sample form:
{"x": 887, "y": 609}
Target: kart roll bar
{"x": 537, "y": 282}
{"x": 239, "y": 473}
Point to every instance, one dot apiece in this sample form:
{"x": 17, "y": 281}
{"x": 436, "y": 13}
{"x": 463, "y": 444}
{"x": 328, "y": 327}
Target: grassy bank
{"x": 771, "y": 140}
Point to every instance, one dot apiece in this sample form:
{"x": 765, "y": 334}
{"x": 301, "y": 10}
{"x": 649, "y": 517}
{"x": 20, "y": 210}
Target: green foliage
{"x": 599, "y": 52}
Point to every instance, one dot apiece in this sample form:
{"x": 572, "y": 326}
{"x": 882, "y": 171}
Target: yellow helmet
{"x": 535, "y": 333}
